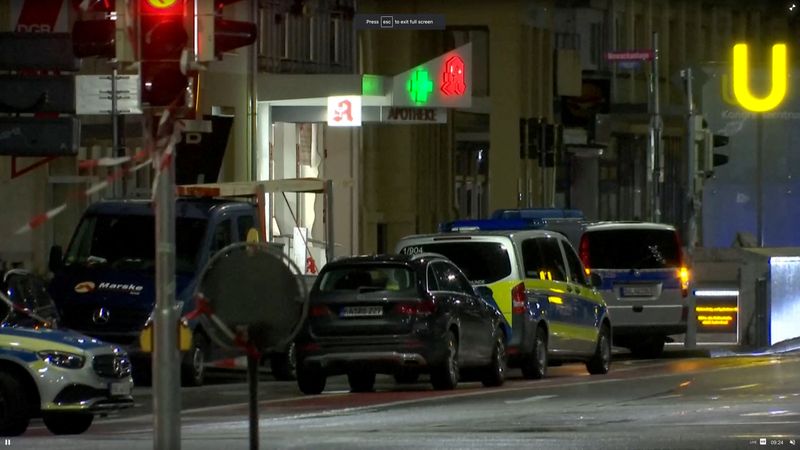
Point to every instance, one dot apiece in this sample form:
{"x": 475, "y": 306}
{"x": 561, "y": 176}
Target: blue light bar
{"x": 491, "y": 224}
{"x": 538, "y": 213}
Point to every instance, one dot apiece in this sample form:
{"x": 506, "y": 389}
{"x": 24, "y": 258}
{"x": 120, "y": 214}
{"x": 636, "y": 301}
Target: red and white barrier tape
{"x": 164, "y": 137}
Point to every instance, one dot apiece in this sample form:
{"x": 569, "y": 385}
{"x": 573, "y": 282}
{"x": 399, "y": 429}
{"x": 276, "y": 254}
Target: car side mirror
{"x": 596, "y": 280}
{"x": 56, "y": 260}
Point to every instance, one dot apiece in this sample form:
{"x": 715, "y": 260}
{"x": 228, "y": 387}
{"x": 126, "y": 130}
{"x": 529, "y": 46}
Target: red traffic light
{"x": 162, "y": 39}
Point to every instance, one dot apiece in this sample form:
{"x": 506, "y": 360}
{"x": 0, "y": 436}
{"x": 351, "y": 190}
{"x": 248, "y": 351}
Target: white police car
{"x": 62, "y": 376}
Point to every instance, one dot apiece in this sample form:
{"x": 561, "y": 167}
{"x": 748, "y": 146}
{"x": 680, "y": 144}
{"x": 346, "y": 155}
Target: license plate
{"x": 119, "y": 389}
{"x": 638, "y": 291}
{"x": 362, "y": 311}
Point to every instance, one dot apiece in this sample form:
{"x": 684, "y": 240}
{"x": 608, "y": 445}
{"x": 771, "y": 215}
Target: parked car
{"x": 62, "y": 376}
{"x": 556, "y": 312}
{"x": 400, "y": 315}
{"x": 645, "y": 281}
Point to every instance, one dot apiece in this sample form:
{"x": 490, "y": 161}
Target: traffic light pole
{"x": 655, "y": 157}
{"x": 166, "y": 356}
{"x": 692, "y": 202}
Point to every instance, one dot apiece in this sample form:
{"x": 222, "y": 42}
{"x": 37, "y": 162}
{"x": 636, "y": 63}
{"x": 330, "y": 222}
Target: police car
{"x": 645, "y": 281}
{"x": 538, "y": 282}
{"x": 62, "y": 376}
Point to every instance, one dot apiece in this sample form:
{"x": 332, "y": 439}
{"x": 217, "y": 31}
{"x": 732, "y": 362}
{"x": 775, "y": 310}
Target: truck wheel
{"x": 193, "y": 372}
{"x": 534, "y": 364}
{"x": 67, "y": 423}
{"x": 445, "y": 375}
{"x": 601, "y": 360}
{"x": 495, "y": 372}
{"x": 361, "y": 381}
{"x": 284, "y": 365}
{"x": 310, "y": 381}
{"x": 14, "y": 413}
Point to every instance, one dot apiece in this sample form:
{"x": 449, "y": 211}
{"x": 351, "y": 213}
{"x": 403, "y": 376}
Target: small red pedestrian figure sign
{"x": 344, "y": 111}
{"x": 453, "y": 77}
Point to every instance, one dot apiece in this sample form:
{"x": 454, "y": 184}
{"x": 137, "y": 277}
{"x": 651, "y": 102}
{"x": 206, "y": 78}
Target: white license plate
{"x": 638, "y": 291}
{"x": 362, "y": 311}
{"x": 119, "y": 389}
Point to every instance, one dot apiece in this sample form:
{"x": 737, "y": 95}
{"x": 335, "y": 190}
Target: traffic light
{"x": 707, "y": 158}
{"x": 719, "y": 140}
{"x": 217, "y": 35}
{"x": 104, "y": 31}
{"x": 162, "y": 40}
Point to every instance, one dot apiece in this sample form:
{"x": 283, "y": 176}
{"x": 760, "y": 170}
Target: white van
{"x": 645, "y": 281}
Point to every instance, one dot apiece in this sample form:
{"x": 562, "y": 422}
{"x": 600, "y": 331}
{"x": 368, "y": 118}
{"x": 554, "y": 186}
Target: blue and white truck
{"x": 104, "y": 283}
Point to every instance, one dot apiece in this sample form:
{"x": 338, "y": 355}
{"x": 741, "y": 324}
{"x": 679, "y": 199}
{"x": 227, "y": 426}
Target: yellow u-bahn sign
{"x": 741, "y": 79}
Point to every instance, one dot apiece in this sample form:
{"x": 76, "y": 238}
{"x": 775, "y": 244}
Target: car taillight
{"x": 405, "y": 309}
{"x": 319, "y": 311}
{"x": 584, "y": 253}
{"x": 683, "y": 271}
{"x": 683, "y": 276}
{"x": 425, "y": 308}
{"x": 518, "y": 299}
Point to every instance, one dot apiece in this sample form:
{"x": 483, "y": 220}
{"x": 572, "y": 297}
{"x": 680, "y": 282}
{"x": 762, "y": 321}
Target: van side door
{"x": 544, "y": 263}
{"x": 587, "y": 302}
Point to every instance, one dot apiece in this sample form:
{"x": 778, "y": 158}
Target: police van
{"x": 645, "y": 281}
{"x": 539, "y": 283}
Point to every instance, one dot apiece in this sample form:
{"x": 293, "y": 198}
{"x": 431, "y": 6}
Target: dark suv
{"x": 399, "y": 315}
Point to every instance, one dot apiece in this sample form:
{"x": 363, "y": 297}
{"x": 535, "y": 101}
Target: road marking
{"x": 528, "y": 385}
{"x": 781, "y": 413}
{"x": 530, "y": 399}
{"x": 736, "y": 388}
{"x": 663, "y": 397}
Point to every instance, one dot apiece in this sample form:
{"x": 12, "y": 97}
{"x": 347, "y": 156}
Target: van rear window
{"x": 481, "y": 262}
{"x": 633, "y": 249}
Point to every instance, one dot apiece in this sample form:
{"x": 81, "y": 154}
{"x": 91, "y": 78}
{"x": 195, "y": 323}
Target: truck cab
{"x": 104, "y": 284}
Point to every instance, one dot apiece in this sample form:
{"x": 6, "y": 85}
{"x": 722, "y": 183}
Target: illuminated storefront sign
{"x": 445, "y": 81}
{"x": 344, "y": 111}
{"x": 419, "y": 86}
{"x": 717, "y": 310}
{"x": 741, "y": 79}
{"x": 453, "y": 81}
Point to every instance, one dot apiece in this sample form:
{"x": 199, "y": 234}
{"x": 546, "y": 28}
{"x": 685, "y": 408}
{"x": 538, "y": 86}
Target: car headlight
{"x": 62, "y": 359}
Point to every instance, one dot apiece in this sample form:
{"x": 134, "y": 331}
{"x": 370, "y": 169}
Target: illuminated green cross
{"x": 419, "y": 86}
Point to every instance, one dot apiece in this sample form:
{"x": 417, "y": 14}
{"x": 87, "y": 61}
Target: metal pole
{"x": 252, "y": 381}
{"x": 115, "y": 128}
{"x": 692, "y": 203}
{"x": 760, "y": 178}
{"x": 692, "y": 200}
{"x": 329, "y": 242}
{"x": 656, "y": 159}
{"x": 166, "y": 357}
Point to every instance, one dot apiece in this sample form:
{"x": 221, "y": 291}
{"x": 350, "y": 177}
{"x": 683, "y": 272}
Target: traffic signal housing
{"x": 104, "y": 31}
{"x": 217, "y": 35}
{"x": 162, "y": 40}
{"x": 708, "y": 142}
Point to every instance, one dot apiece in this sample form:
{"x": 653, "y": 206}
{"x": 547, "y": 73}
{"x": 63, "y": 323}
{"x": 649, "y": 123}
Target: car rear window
{"x": 365, "y": 277}
{"x": 481, "y": 262}
{"x": 633, "y": 249}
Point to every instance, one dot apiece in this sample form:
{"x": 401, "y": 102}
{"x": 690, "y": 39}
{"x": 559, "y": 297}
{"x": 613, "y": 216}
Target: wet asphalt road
{"x": 674, "y": 403}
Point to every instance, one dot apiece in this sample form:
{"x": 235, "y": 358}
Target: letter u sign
{"x": 741, "y": 79}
